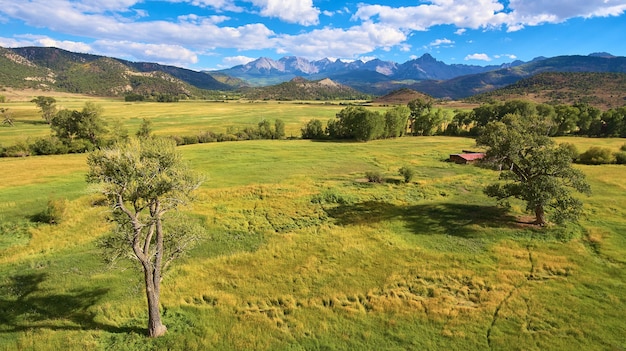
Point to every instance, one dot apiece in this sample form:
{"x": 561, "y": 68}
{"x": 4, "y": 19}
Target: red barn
{"x": 467, "y": 158}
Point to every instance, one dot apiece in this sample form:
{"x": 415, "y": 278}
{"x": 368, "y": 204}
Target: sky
{"x": 218, "y": 34}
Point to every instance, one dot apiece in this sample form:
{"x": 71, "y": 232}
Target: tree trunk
{"x": 540, "y": 216}
{"x": 155, "y": 327}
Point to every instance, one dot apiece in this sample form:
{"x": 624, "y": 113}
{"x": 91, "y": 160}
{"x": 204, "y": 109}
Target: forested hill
{"x": 57, "y": 69}
{"x": 601, "y": 90}
{"x": 303, "y": 89}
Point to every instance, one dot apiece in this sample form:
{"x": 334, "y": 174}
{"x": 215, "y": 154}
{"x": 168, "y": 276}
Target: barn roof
{"x": 471, "y": 157}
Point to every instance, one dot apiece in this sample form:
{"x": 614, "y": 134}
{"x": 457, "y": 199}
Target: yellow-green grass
{"x": 300, "y": 252}
{"x": 181, "y": 118}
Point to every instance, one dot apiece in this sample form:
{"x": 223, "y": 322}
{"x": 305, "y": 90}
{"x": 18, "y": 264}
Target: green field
{"x": 301, "y": 253}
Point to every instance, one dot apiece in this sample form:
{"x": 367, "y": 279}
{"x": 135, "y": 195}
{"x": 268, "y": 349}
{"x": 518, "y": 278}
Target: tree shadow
{"x": 33, "y": 308}
{"x": 456, "y": 219}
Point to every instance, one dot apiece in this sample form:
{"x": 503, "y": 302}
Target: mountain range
{"x": 53, "y": 68}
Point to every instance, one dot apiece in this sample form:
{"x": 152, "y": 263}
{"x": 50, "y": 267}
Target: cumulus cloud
{"x": 41, "y": 40}
{"x": 477, "y": 14}
{"x": 236, "y": 60}
{"x": 161, "y": 53}
{"x": 347, "y": 43}
{"x": 301, "y": 11}
{"x": 441, "y": 42}
{"x": 479, "y": 57}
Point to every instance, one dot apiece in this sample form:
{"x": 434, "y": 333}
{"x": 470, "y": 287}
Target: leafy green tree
{"x": 357, "y": 122}
{"x": 565, "y": 119}
{"x": 143, "y": 181}
{"x": 80, "y": 130}
{"x": 279, "y": 129}
{"x": 396, "y": 120}
{"x": 47, "y": 106}
{"x": 420, "y": 108}
{"x": 534, "y": 168}
{"x": 313, "y": 130}
{"x": 265, "y": 129}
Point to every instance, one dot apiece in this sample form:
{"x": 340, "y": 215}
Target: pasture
{"x": 301, "y": 253}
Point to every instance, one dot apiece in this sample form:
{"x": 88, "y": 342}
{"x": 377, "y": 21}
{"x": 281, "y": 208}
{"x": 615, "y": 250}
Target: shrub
{"x": 48, "y": 146}
{"x": 21, "y": 149}
{"x": 190, "y": 139}
{"x": 596, "y": 155}
{"x": 54, "y": 213}
{"x": 207, "y": 137}
{"x": 374, "y": 177}
{"x": 623, "y": 148}
{"x": 572, "y": 149}
{"x": 407, "y": 173}
{"x": 313, "y": 130}
{"x": 620, "y": 157}
{"x": 331, "y": 196}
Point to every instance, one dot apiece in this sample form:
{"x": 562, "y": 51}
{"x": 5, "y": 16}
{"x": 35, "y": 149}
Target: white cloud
{"x": 348, "y": 43}
{"x": 236, "y": 60}
{"x": 509, "y": 56}
{"x": 299, "y": 11}
{"x": 479, "y": 57}
{"x": 41, "y": 40}
{"x": 460, "y": 31}
{"x": 161, "y": 53}
{"x": 476, "y": 14}
{"x": 441, "y": 42}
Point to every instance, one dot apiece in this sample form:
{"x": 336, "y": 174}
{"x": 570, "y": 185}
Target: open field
{"x": 300, "y": 253}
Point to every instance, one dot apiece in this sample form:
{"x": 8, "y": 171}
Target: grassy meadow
{"x": 299, "y": 252}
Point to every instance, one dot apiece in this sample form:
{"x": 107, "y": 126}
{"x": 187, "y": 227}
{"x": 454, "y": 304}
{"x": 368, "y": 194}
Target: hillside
{"x": 61, "y": 70}
{"x": 302, "y": 89}
{"x": 468, "y": 85}
{"x": 602, "y": 90}
{"x": 401, "y": 97}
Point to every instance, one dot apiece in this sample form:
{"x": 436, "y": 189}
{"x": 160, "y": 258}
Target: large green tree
{"x": 143, "y": 180}
{"x": 533, "y": 168}
{"x": 80, "y": 130}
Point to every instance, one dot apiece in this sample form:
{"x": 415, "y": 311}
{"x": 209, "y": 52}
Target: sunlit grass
{"x": 300, "y": 252}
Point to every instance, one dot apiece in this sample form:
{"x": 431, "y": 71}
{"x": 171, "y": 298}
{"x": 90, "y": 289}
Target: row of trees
{"x": 578, "y": 119}
{"x": 359, "y": 123}
{"x": 77, "y": 131}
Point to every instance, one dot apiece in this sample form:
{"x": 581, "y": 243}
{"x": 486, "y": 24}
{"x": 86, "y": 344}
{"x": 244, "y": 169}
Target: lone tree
{"x": 533, "y": 168}
{"x": 6, "y": 116}
{"x": 142, "y": 181}
{"x": 47, "y": 106}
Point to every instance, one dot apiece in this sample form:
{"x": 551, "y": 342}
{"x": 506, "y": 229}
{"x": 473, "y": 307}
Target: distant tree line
{"x": 578, "y": 119}
{"x": 78, "y": 131}
{"x": 419, "y": 118}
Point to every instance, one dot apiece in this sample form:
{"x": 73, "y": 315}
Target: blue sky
{"x": 216, "y": 34}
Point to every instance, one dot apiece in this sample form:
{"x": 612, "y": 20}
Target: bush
{"x": 313, "y": 130}
{"x": 207, "y": 137}
{"x": 21, "y": 149}
{"x": 572, "y": 149}
{"x": 48, "y": 146}
{"x": 374, "y": 177}
{"x": 620, "y": 157}
{"x": 596, "y": 155}
{"x": 407, "y": 173}
{"x": 54, "y": 213}
{"x": 623, "y": 148}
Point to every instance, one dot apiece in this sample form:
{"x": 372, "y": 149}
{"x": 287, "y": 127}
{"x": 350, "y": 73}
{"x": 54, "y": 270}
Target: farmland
{"x": 300, "y": 252}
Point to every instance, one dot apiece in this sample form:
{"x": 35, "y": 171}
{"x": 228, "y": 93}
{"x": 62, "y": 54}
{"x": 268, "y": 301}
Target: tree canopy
{"x": 533, "y": 168}
{"x": 143, "y": 180}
